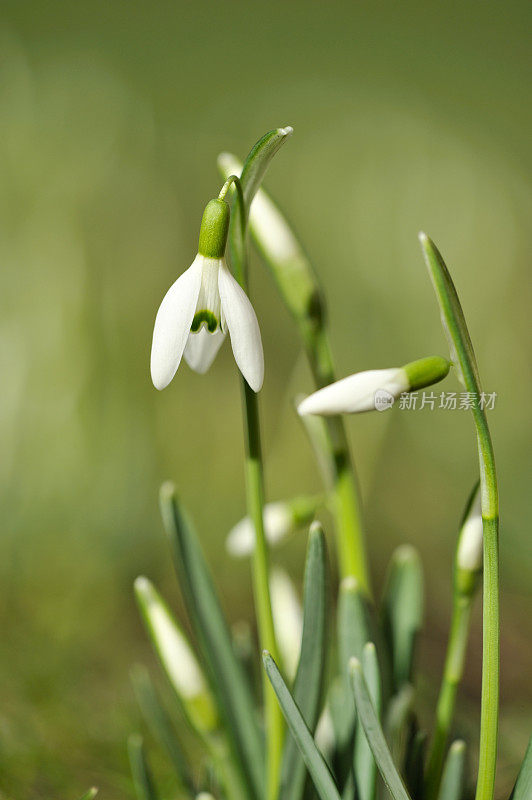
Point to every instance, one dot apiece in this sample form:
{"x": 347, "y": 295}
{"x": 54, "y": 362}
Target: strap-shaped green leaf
{"x": 308, "y": 680}
{"x": 160, "y": 724}
{"x": 353, "y": 633}
{"x": 364, "y": 764}
{"x": 142, "y": 777}
{"x": 415, "y": 763}
{"x": 452, "y": 782}
{"x": 523, "y": 786}
{"x": 374, "y": 734}
{"x": 402, "y": 610}
{"x": 225, "y": 672}
{"x": 318, "y": 769}
{"x": 398, "y": 717}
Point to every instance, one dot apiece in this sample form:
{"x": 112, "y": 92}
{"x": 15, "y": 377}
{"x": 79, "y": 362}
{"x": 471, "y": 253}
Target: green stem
{"x": 232, "y": 179}
{"x": 350, "y": 540}
{"x": 261, "y": 585}
{"x": 489, "y": 705}
{"x": 489, "y": 710}
{"x": 255, "y": 502}
{"x": 452, "y": 675}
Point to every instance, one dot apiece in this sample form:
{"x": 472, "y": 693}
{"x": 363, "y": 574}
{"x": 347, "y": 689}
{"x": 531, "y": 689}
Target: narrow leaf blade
{"x": 415, "y": 763}
{"x": 397, "y": 721}
{"x": 308, "y": 680}
{"x": 159, "y": 722}
{"x": 319, "y": 772}
{"x": 225, "y": 672}
{"x": 353, "y": 633}
{"x": 452, "y": 783}
{"x": 403, "y": 611}
{"x": 523, "y": 787}
{"x": 364, "y": 763}
{"x": 452, "y": 316}
{"x": 374, "y": 734}
{"x": 142, "y": 777}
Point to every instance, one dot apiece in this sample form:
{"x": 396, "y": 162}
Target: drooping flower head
{"x": 203, "y": 304}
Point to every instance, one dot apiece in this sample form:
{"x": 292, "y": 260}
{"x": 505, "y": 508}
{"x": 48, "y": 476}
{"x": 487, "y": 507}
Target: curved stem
{"x": 232, "y": 179}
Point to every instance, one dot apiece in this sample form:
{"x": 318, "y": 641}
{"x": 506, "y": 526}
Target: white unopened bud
{"x": 356, "y": 393}
{"x": 287, "y": 619}
{"x": 374, "y": 389}
{"x": 281, "y": 519}
{"x": 278, "y": 523}
{"x": 470, "y": 544}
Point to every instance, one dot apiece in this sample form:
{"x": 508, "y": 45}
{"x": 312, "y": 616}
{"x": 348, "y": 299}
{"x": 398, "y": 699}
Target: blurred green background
{"x": 406, "y": 116}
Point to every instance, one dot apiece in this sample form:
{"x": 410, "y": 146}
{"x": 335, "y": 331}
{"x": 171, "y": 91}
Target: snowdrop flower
{"x": 287, "y": 618}
{"x": 281, "y": 519}
{"x": 374, "y": 389}
{"x": 200, "y": 308}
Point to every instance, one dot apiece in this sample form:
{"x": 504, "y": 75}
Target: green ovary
{"x": 207, "y": 317}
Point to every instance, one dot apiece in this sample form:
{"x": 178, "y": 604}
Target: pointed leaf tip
{"x": 168, "y": 490}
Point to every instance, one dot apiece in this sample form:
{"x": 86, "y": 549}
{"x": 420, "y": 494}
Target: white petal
{"x": 355, "y": 393}
{"x": 172, "y": 325}
{"x": 243, "y": 327}
{"x": 201, "y": 349}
